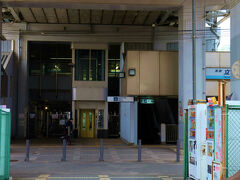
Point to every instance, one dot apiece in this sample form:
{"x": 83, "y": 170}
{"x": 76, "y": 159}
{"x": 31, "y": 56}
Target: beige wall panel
{"x": 225, "y": 59}
{"x": 89, "y": 94}
{"x": 212, "y": 59}
{"x": 212, "y": 88}
{"x": 149, "y": 73}
{"x": 228, "y": 88}
{"x": 168, "y": 73}
{"x": 133, "y": 81}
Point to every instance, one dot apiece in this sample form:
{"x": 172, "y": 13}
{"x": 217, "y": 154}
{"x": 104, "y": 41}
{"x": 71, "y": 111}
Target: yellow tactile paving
{"x": 44, "y": 176}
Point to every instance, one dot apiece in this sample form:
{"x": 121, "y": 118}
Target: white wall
{"x": 128, "y": 122}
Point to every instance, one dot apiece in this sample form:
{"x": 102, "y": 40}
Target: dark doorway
{"x": 152, "y": 112}
{"x": 113, "y": 90}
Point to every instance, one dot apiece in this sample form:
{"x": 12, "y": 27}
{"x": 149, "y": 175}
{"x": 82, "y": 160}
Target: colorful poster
{"x": 218, "y": 135}
{"x": 216, "y": 171}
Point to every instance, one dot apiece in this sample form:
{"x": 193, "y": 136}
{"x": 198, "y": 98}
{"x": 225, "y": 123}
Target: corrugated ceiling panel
{"x": 84, "y": 16}
{"x": 141, "y": 17}
{"x": 118, "y": 16}
{"x": 50, "y": 14}
{"x": 107, "y": 17}
{"x": 27, "y": 14}
{"x": 96, "y": 16}
{"x": 62, "y": 15}
{"x": 130, "y": 17}
{"x": 73, "y": 16}
{"x": 152, "y": 17}
{"x": 38, "y": 13}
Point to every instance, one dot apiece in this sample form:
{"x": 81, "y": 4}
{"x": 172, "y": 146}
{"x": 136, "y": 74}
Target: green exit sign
{"x": 147, "y": 101}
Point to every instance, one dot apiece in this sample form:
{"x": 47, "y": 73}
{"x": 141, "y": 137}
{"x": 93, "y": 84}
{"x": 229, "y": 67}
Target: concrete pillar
{"x": 235, "y": 53}
{"x": 22, "y": 88}
{"x": 185, "y": 59}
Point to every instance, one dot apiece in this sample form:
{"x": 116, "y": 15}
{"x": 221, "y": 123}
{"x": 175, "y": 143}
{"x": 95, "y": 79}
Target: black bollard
{"x": 27, "y": 150}
{"x": 101, "y": 150}
{"x": 178, "y": 151}
{"x": 139, "y": 150}
{"x": 64, "y": 150}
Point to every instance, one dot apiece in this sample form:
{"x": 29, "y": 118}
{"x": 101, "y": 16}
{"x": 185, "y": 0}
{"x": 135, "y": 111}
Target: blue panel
{"x": 218, "y": 77}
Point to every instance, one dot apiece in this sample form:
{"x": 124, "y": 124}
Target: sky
{"x": 224, "y": 36}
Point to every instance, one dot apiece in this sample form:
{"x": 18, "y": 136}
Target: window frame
{"x": 105, "y": 64}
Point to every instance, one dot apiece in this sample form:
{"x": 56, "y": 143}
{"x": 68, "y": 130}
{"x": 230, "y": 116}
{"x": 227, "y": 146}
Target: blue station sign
{"x": 218, "y": 73}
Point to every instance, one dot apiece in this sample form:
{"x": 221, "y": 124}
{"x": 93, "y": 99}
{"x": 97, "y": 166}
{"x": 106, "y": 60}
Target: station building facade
{"x": 66, "y": 62}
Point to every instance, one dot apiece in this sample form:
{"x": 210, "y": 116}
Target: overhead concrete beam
{"x": 112, "y": 4}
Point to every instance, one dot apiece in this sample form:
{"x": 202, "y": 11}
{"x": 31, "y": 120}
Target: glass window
{"x": 173, "y": 46}
{"x": 90, "y": 65}
{"x": 113, "y": 67}
{"x": 90, "y": 120}
{"x": 84, "y": 121}
{"x": 46, "y": 58}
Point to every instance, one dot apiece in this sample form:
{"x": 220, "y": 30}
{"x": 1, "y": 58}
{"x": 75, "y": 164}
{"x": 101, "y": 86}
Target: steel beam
{"x": 14, "y": 14}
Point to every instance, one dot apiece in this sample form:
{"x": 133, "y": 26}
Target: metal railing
{"x": 171, "y": 133}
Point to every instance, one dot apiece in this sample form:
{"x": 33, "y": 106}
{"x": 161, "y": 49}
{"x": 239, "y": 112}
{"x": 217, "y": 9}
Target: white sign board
{"x": 120, "y": 99}
{"x": 218, "y": 73}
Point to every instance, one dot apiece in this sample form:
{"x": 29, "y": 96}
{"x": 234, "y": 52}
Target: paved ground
{"x": 120, "y": 161}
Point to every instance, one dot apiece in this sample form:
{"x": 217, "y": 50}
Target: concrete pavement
{"x": 120, "y": 162}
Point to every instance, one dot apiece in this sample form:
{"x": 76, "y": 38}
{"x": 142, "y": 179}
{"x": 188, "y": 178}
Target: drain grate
{"x": 13, "y": 160}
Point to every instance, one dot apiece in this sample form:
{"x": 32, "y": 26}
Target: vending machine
{"x": 214, "y": 142}
{"x": 197, "y": 124}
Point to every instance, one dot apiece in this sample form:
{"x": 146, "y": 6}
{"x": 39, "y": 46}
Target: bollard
{"x": 101, "y": 150}
{"x": 139, "y": 150}
{"x": 27, "y": 150}
{"x": 178, "y": 151}
{"x": 64, "y": 150}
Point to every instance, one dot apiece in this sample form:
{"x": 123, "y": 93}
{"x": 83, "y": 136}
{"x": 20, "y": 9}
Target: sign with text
{"x": 218, "y": 73}
{"x": 120, "y": 99}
